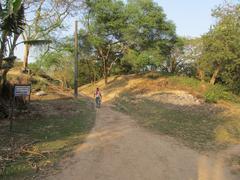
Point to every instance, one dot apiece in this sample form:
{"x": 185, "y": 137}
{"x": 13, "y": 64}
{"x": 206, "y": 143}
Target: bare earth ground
{"x": 118, "y": 149}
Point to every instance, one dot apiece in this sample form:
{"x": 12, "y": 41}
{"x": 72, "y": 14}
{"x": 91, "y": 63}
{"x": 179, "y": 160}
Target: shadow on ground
{"x": 45, "y": 133}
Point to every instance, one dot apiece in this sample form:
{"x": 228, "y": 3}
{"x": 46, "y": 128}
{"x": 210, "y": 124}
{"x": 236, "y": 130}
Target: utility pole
{"x": 76, "y": 61}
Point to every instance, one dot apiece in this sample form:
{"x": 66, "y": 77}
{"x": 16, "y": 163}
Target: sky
{"x": 191, "y": 17}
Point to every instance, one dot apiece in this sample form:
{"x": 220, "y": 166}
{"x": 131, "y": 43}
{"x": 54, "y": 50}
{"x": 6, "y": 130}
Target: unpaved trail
{"x": 118, "y": 149}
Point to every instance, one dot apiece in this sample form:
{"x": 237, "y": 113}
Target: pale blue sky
{"x": 192, "y": 18}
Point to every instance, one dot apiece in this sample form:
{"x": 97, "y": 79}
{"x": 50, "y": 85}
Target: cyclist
{"x": 98, "y": 97}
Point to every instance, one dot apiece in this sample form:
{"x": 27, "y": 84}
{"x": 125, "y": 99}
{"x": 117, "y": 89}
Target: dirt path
{"x": 118, "y": 149}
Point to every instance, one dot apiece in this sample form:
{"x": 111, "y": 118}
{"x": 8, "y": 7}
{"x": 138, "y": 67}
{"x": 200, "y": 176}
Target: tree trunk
{"x": 105, "y": 72}
{"x": 91, "y": 72}
{"x": 2, "y": 51}
{"x": 26, "y": 55}
{"x": 215, "y": 74}
{"x": 11, "y": 53}
{"x": 201, "y": 74}
{"x": 94, "y": 78}
{"x": 2, "y": 46}
{"x": 173, "y": 66}
{"x": 105, "y": 78}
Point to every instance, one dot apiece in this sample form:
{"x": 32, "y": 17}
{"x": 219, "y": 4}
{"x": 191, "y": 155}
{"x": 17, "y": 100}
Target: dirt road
{"x": 118, "y": 149}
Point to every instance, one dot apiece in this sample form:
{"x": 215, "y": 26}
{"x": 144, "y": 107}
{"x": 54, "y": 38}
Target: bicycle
{"x": 98, "y": 102}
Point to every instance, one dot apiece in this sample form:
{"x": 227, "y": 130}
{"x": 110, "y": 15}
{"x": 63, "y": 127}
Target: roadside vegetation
{"x": 47, "y": 132}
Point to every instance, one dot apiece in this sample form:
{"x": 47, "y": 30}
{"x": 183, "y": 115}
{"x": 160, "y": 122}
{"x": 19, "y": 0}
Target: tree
{"x": 176, "y": 60}
{"x": 193, "y": 65}
{"x": 44, "y": 17}
{"x": 12, "y": 23}
{"x": 147, "y": 29}
{"x": 117, "y": 31}
{"x": 228, "y": 20}
{"x": 59, "y": 66}
{"x": 104, "y": 22}
{"x": 88, "y": 58}
{"x": 221, "y": 43}
{"x": 59, "y": 63}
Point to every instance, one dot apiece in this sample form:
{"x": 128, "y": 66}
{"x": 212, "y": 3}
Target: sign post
{"x": 21, "y": 91}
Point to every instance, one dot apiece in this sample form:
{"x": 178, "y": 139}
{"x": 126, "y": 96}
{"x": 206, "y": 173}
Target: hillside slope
{"x": 152, "y": 83}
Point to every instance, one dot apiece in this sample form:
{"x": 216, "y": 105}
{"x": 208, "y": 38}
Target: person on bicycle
{"x": 98, "y": 97}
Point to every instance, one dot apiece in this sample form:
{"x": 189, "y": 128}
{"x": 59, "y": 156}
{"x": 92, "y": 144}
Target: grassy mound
{"x": 154, "y": 82}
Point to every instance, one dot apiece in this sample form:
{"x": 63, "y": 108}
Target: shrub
{"x": 211, "y": 96}
{"x": 218, "y": 92}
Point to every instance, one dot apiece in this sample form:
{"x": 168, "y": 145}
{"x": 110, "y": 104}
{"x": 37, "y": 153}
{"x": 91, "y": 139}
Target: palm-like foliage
{"x": 37, "y": 42}
{"x": 11, "y": 26}
{"x": 11, "y": 23}
{"x": 12, "y": 16}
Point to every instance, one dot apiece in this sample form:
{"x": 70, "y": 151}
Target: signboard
{"x": 22, "y": 90}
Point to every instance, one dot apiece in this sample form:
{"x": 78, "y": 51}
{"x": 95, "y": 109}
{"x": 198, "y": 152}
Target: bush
{"x": 211, "y": 96}
{"x": 218, "y": 92}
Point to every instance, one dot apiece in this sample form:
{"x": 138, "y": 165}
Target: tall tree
{"x": 228, "y": 18}
{"x": 44, "y": 17}
{"x": 118, "y": 31}
{"x": 12, "y": 22}
{"x": 221, "y": 43}
{"x": 149, "y": 32}
{"x": 104, "y": 22}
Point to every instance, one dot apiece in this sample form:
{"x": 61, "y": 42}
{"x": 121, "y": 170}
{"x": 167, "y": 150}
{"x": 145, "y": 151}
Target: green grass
{"x": 197, "y": 126}
{"x": 217, "y": 92}
{"x": 186, "y": 82}
{"x": 57, "y": 135}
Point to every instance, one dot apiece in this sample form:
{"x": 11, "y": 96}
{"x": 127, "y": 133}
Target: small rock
{"x": 41, "y": 93}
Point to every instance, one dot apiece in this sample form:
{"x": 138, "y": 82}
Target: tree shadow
{"x": 117, "y": 82}
{"x": 55, "y": 126}
{"x": 55, "y": 118}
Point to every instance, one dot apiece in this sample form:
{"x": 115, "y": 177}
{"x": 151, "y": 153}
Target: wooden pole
{"x": 76, "y": 62}
{"x": 12, "y": 102}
